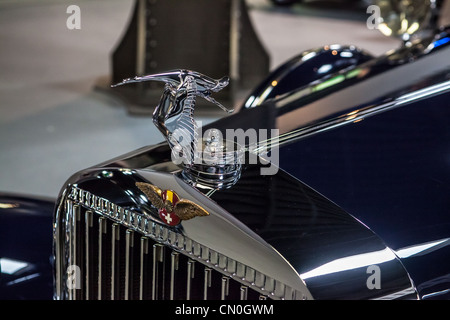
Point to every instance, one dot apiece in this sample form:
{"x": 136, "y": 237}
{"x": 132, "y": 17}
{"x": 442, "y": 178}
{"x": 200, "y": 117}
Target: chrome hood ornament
{"x": 209, "y": 162}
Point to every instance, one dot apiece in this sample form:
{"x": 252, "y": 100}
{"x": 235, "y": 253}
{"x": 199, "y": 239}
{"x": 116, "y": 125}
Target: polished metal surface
{"x": 255, "y": 264}
{"x": 174, "y": 266}
{"x": 101, "y": 238}
{"x": 220, "y": 164}
{"x": 89, "y": 215}
{"x": 208, "y": 161}
{"x": 115, "y": 238}
{"x": 176, "y": 108}
{"x": 129, "y": 247}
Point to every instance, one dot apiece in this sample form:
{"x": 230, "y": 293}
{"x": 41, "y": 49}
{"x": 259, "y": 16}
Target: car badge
{"x": 171, "y": 209}
{"x": 210, "y": 162}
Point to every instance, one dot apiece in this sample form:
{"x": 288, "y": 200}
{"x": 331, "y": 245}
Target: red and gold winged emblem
{"x": 171, "y": 209}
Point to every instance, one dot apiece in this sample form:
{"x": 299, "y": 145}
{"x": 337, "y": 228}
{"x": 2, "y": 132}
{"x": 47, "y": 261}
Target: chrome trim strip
{"x": 57, "y": 251}
{"x": 68, "y": 241}
{"x": 435, "y": 294}
{"x": 400, "y": 294}
{"x": 422, "y": 248}
{"x": 357, "y": 115}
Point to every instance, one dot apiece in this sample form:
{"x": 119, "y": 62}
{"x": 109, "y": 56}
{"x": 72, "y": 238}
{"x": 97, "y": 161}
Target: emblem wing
{"x": 153, "y": 194}
{"x": 186, "y": 209}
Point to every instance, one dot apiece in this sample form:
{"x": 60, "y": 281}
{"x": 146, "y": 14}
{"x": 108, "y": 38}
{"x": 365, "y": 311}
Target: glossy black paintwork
{"x": 25, "y": 235}
{"x": 305, "y": 68}
{"x": 310, "y": 231}
{"x": 391, "y": 171}
{"x": 404, "y": 69}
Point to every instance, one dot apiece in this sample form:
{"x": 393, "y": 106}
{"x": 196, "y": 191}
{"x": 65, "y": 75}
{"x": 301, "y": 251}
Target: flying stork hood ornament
{"x": 210, "y": 161}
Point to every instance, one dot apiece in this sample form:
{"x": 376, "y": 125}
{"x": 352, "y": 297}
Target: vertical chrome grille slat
{"x": 101, "y": 233}
{"x": 142, "y": 267}
{"x": 190, "y": 276}
{"x": 71, "y": 243}
{"x": 76, "y": 246}
{"x": 115, "y": 237}
{"x": 224, "y": 288}
{"x": 158, "y": 272}
{"x": 243, "y": 293}
{"x": 174, "y": 265}
{"x": 207, "y": 282}
{"x": 129, "y": 246}
{"x": 88, "y": 220}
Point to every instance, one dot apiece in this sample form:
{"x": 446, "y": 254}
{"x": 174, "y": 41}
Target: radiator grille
{"x": 122, "y": 255}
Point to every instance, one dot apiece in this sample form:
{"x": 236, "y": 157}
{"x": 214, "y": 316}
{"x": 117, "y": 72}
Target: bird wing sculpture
{"x": 174, "y": 115}
{"x": 186, "y": 210}
{"x": 172, "y": 210}
{"x": 153, "y": 194}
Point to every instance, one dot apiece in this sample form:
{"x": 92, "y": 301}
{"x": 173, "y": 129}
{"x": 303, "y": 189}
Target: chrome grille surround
{"x": 75, "y": 199}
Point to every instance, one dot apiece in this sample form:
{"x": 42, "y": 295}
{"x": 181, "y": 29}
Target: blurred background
{"x": 57, "y": 115}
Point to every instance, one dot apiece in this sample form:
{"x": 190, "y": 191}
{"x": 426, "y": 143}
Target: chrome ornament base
{"x": 218, "y": 166}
